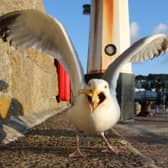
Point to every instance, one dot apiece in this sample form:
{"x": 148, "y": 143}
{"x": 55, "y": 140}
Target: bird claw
{"x": 76, "y": 154}
{"x": 111, "y": 150}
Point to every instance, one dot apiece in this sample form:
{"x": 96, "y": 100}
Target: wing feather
{"x": 34, "y": 29}
{"x": 144, "y": 49}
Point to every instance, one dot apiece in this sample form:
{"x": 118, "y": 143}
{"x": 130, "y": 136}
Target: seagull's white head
{"x": 97, "y": 92}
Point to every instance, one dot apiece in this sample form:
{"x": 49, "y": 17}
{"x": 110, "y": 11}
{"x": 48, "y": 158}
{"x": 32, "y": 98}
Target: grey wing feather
{"x": 34, "y": 29}
{"x": 144, "y": 49}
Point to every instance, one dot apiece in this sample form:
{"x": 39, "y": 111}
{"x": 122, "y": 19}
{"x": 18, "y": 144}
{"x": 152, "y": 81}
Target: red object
{"x": 64, "y": 92}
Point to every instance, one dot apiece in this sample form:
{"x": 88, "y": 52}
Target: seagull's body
{"x": 95, "y": 108}
{"x": 104, "y": 117}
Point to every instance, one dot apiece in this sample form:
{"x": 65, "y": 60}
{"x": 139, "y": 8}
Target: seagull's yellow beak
{"x": 93, "y": 97}
{"x": 84, "y": 91}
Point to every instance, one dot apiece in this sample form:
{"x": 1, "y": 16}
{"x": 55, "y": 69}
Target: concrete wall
{"x": 28, "y": 83}
{"x": 27, "y": 78}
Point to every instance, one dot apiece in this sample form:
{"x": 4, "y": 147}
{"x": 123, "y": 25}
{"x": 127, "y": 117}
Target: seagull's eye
{"x": 105, "y": 86}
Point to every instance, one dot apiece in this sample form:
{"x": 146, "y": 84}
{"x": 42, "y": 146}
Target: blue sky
{"x": 147, "y": 17}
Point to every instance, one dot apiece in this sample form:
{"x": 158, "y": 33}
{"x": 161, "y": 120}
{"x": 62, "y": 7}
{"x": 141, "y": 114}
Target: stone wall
{"x": 29, "y": 78}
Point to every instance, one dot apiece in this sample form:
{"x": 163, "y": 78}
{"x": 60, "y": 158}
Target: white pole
{"x": 109, "y": 25}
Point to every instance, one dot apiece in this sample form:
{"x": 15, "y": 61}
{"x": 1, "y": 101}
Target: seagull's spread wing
{"x": 144, "y": 49}
{"x": 34, "y": 29}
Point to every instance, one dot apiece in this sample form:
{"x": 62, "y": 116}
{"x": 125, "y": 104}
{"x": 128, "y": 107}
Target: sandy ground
{"x": 49, "y": 144}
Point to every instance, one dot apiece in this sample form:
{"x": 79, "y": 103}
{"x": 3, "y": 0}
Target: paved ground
{"x": 48, "y": 146}
{"x": 149, "y": 136}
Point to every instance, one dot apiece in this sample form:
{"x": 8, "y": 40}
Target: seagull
{"x": 94, "y": 104}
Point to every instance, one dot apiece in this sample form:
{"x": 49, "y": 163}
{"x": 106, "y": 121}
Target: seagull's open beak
{"x": 93, "y": 97}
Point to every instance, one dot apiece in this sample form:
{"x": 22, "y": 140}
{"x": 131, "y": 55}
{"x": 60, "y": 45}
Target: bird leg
{"x": 77, "y": 153}
{"x": 109, "y": 149}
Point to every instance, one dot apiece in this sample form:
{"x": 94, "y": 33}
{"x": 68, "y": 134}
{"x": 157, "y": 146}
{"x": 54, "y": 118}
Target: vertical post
{"x": 109, "y": 24}
{"x": 109, "y": 37}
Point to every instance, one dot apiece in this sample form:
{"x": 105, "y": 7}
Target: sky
{"x": 146, "y": 17}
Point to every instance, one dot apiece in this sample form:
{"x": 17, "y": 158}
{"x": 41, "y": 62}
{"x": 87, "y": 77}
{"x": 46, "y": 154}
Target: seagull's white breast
{"x": 103, "y": 118}
{"x": 106, "y": 115}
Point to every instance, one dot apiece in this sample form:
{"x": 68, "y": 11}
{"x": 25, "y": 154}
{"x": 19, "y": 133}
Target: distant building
{"x": 146, "y": 86}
